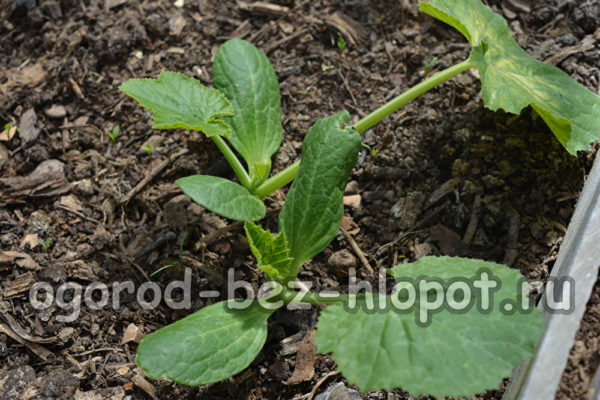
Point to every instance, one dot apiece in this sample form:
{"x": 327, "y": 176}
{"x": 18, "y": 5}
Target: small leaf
{"x": 205, "y": 347}
{"x": 312, "y": 212}
{"x": 512, "y": 79}
{"x": 246, "y": 76}
{"x": 223, "y": 197}
{"x": 181, "y": 102}
{"x": 271, "y": 252}
{"x": 459, "y": 353}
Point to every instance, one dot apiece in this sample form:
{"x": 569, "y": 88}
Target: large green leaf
{"x": 246, "y": 76}
{"x": 511, "y": 79}
{"x": 205, "y": 347}
{"x": 459, "y": 353}
{"x": 271, "y": 252}
{"x": 313, "y": 209}
{"x": 181, "y": 102}
{"x": 223, "y": 197}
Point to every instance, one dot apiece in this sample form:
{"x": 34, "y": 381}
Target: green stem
{"x": 277, "y": 181}
{"x": 411, "y": 94}
{"x": 232, "y": 159}
{"x": 287, "y": 175}
{"x": 289, "y": 297}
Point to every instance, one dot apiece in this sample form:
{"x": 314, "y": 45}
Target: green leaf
{"x": 271, "y": 252}
{"x": 459, "y": 353}
{"x": 511, "y": 79}
{"x": 223, "y": 197}
{"x": 313, "y": 209}
{"x": 205, "y": 347}
{"x": 181, "y": 102}
{"x": 246, "y": 76}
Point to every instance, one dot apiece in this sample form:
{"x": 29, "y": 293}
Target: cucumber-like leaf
{"x": 223, "y": 197}
{"x": 178, "y": 101}
{"x": 511, "y": 79}
{"x": 245, "y": 75}
{"x": 272, "y": 253}
{"x": 205, "y": 347}
{"x": 313, "y": 210}
{"x": 456, "y": 354}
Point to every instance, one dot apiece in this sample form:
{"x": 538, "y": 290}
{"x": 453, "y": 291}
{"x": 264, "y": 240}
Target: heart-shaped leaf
{"x": 511, "y": 79}
{"x": 178, "y": 101}
{"x": 459, "y": 353}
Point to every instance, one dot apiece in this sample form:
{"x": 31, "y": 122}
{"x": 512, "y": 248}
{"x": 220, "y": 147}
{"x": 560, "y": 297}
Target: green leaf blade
{"x": 223, "y": 197}
{"x": 205, "y": 347}
{"x": 272, "y": 253}
{"x": 178, "y": 101}
{"x": 313, "y": 209}
{"x": 512, "y": 79}
{"x": 246, "y": 76}
{"x": 457, "y": 354}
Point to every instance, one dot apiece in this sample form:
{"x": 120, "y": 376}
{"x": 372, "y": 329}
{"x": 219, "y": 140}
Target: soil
{"x": 449, "y": 176}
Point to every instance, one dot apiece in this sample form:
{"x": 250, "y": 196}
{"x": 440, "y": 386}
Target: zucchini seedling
{"x": 450, "y": 353}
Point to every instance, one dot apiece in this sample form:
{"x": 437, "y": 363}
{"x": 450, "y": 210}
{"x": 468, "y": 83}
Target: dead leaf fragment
{"x": 8, "y": 134}
{"x": 132, "y": 334}
{"x": 305, "y": 360}
{"x": 353, "y": 31}
{"x": 29, "y": 75}
{"x": 80, "y": 270}
{"x": 71, "y": 202}
{"x": 23, "y": 260}
{"x": 21, "y": 284}
{"x": 30, "y": 239}
{"x": 352, "y": 200}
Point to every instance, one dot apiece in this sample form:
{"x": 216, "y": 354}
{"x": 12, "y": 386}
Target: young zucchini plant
{"x": 376, "y": 342}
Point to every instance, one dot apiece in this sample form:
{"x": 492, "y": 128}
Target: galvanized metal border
{"x": 578, "y": 259}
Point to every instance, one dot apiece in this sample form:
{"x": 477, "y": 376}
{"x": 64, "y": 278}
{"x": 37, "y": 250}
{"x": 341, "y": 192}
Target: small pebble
{"x": 55, "y": 111}
{"x": 339, "y": 391}
{"x": 342, "y": 259}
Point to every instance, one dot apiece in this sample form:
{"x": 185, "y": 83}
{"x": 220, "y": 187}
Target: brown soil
{"x": 441, "y": 162}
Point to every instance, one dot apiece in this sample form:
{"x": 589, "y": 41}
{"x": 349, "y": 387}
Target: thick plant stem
{"x": 232, "y": 159}
{"x": 287, "y": 175}
{"x": 277, "y": 181}
{"x": 376, "y": 116}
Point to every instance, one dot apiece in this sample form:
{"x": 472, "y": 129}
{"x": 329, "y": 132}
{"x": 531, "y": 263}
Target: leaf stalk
{"x": 284, "y": 177}
{"x": 236, "y": 164}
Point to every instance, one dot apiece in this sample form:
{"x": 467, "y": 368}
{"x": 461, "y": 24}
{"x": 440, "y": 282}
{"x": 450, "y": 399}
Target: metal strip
{"x": 578, "y": 259}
